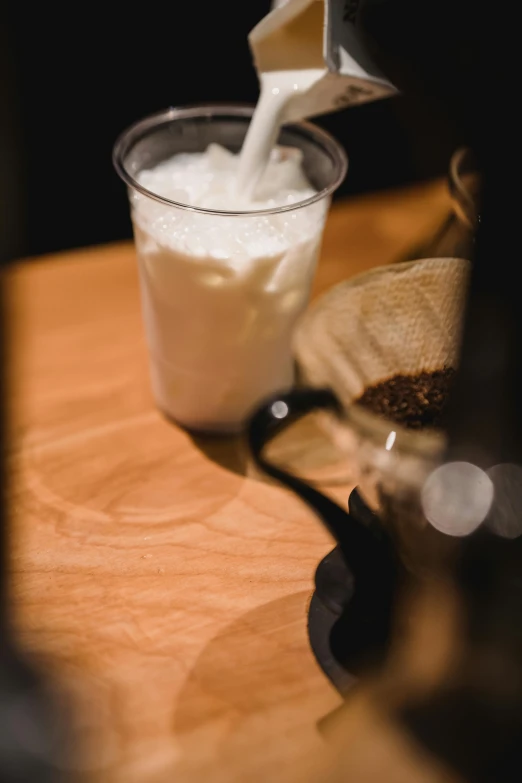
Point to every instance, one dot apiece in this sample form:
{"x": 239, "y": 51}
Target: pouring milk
{"x": 309, "y": 62}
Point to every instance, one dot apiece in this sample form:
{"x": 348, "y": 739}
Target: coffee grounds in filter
{"x": 413, "y": 401}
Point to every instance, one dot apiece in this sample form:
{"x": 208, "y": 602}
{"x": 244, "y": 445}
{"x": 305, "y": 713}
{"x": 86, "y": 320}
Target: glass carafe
{"x": 404, "y": 318}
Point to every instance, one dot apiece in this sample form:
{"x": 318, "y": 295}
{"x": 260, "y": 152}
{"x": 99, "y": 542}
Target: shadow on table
{"x": 303, "y": 450}
{"x": 253, "y": 681}
{"x": 229, "y": 451}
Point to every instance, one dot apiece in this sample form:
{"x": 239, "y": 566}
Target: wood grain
{"x": 159, "y": 580}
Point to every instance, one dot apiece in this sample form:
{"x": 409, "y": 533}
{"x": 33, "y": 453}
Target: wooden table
{"x": 163, "y": 587}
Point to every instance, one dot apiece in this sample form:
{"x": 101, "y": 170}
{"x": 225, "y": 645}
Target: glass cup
{"x": 221, "y": 290}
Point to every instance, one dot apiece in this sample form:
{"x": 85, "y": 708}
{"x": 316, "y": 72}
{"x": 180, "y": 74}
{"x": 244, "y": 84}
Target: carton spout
{"x": 319, "y": 36}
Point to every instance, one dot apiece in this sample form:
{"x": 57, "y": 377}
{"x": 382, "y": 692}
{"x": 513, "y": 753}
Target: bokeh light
{"x": 456, "y": 498}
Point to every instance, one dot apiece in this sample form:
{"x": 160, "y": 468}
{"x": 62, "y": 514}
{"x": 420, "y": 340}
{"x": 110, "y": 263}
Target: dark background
{"x": 74, "y": 76}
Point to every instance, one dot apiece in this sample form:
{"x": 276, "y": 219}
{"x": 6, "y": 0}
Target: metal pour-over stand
{"x": 349, "y": 340}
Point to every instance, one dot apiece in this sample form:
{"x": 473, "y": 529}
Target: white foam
{"x": 208, "y": 180}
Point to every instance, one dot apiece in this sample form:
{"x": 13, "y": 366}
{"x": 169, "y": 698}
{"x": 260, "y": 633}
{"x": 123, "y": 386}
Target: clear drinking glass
{"x": 219, "y": 316}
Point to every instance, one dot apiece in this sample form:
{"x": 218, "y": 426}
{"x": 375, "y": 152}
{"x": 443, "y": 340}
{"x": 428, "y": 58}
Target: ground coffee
{"x": 414, "y": 401}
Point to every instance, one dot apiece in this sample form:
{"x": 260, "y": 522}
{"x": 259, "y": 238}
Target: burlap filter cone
{"x": 404, "y": 318}
{"x": 401, "y": 318}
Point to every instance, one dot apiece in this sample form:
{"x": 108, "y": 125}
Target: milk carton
{"x": 319, "y": 35}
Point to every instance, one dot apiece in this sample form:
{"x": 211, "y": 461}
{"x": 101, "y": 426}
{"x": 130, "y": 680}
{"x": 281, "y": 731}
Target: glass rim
{"x": 318, "y": 135}
{"x": 465, "y": 198}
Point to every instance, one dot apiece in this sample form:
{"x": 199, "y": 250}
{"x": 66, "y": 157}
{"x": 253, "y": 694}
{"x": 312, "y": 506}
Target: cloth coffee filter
{"x": 402, "y": 318}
